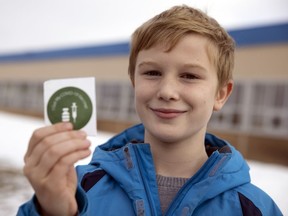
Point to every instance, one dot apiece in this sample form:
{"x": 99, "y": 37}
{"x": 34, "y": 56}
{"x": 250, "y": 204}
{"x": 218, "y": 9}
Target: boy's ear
{"x": 132, "y": 81}
{"x": 222, "y": 95}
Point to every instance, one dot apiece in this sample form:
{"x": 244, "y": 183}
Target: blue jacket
{"x": 121, "y": 180}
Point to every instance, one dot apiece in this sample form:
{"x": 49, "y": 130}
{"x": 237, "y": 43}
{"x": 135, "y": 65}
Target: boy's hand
{"x": 49, "y": 166}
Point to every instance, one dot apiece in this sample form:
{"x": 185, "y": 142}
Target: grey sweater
{"x": 168, "y": 188}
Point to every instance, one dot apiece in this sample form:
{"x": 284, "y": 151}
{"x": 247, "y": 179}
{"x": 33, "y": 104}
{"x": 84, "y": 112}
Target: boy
{"x": 180, "y": 65}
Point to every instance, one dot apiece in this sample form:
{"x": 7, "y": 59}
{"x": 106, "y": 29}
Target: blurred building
{"x": 255, "y": 118}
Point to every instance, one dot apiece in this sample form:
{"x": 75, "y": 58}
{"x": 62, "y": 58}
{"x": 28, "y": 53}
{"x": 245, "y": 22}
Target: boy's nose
{"x": 168, "y": 90}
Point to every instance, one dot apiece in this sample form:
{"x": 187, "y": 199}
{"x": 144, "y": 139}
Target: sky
{"x": 33, "y": 25}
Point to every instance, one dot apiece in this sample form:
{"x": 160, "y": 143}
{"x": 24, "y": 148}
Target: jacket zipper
{"x": 140, "y": 167}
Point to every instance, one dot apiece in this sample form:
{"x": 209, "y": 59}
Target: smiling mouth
{"x": 167, "y": 113}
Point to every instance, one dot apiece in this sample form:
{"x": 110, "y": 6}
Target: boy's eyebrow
{"x": 193, "y": 65}
{"x": 186, "y": 65}
{"x": 143, "y": 63}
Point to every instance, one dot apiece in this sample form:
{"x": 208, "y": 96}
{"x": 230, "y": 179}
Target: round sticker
{"x": 70, "y": 104}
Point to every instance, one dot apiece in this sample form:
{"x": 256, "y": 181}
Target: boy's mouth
{"x": 167, "y": 113}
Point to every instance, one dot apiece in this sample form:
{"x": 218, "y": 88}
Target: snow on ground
{"x": 15, "y": 133}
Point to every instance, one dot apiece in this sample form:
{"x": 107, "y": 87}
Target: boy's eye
{"x": 189, "y": 76}
{"x": 152, "y": 73}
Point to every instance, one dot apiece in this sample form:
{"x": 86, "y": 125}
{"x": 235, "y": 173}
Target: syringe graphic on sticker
{"x": 74, "y": 111}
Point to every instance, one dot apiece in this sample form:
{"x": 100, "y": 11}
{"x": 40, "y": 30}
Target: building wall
{"x": 103, "y": 68}
{"x": 255, "y": 62}
{"x": 267, "y": 61}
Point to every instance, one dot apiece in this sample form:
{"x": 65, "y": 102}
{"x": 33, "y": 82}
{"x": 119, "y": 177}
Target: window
{"x": 255, "y": 107}
{"x": 115, "y": 101}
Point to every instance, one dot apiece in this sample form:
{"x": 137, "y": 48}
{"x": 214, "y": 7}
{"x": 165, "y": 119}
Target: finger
{"x": 50, "y": 141}
{"x": 55, "y": 154}
{"x": 43, "y": 132}
{"x": 64, "y": 164}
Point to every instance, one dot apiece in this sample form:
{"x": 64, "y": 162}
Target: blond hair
{"x": 172, "y": 25}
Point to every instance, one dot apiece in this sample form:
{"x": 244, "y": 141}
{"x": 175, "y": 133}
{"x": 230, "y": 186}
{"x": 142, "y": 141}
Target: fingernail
{"x": 82, "y": 133}
{"x": 87, "y": 142}
{"x": 68, "y": 125}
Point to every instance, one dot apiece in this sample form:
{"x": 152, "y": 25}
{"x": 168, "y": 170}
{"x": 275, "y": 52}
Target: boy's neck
{"x": 178, "y": 159}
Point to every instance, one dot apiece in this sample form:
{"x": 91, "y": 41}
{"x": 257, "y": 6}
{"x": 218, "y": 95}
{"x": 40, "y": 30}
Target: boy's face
{"x": 177, "y": 91}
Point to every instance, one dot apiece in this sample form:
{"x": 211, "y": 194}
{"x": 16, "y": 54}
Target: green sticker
{"x": 70, "y": 104}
